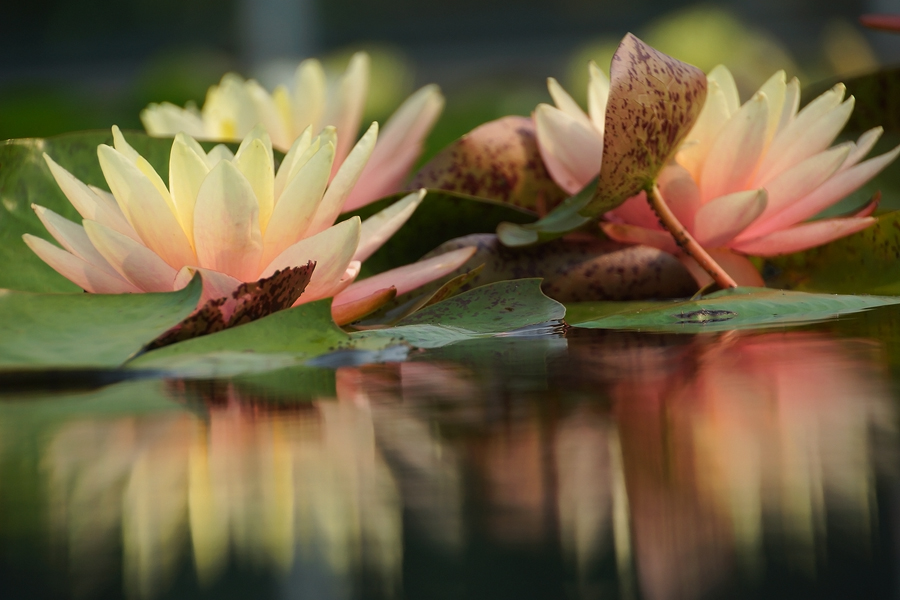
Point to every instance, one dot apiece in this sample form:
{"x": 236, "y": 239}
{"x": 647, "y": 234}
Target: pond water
{"x": 590, "y": 464}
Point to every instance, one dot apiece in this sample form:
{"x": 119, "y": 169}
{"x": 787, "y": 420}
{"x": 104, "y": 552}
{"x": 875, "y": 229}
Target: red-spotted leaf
{"x": 575, "y": 270}
{"x": 499, "y": 161}
{"x": 249, "y": 302}
{"x": 654, "y": 100}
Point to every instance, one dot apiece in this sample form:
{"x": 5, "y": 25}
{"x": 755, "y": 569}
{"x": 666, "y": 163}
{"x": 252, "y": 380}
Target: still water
{"x": 587, "y": 465}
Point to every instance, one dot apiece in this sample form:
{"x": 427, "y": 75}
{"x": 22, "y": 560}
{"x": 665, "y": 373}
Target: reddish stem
{"x": 686, "y": 241}
{"x": 882, "y": 22}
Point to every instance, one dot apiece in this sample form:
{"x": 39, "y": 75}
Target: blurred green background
{"x": 81, "y": 64}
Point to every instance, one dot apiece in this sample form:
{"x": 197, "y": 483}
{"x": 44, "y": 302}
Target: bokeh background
{"x": 81, "y": 64}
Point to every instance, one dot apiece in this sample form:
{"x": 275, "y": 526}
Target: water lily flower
{"x": 232, "y": 218}
{"x": 235, "y": 106}
{"x": 746, "y": 180}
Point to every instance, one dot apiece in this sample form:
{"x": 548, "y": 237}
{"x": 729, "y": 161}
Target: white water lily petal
{"x": 794, "y": 134}
{"x": 297, "y": 149}
{"x": 332, "y": 250}
{"x": 269, "y": 116}
{"x": 863, "y": 146}
{"x": 733, "y": 157}
{"x": 351, "y": 100}
{"x": 636, "y": 211}
{"x": 343, "y": 181}
{"x": 721, "y": 219}
{"x": 724, "y": 80}
{"x": 408, "y": 277}
{"x": 72, "y": 237}
{"x": 791, "y": 104}
{"x": 166, "y": 119}
{"x": 828, "y": 193}
{"x": 215, "y": 283}
{"x": 133, "y": 261}
{"x": 633, "y": 234}
{"x": 379, "y": 228}
{"x": 219, "y": 152}
{"x": 565, "y": 103}
{"x": 187, "y": 170}
{"x": 775, "y": 89}
{"x": 572, "y": 151}
{"x": 308, "y": 106}
{"x": 693, "y": 152}
{"x": 120, "y": 144}
{"x": 680, "y": 193}
{"x": 255, "y": 162}
{"x": 802, "y": 179}
{"x": 375, "y": 183}
{"x": 598, "y": 96}
{"x": 80, "y": 272}
{"x": 226, "y": 224}
{"x": 147, "y": 212}
{"x": 805, "y": 236}
{"x": 298, "y": 204}
{"x": 739, "y": 267}
{"x": 229, "y": 111}
{"x": 91, "y": 203}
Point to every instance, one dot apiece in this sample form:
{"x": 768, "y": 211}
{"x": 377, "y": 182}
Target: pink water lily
{"x": 232, "y": 218}
{"x": 745, "y": 182}
{"x": 235, "y": 106}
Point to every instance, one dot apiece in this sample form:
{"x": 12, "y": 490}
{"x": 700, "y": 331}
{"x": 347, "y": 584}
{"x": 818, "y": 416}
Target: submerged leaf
{"x": 654, "y": 101}
{"x": 249, "y": 302}
{"x": 41, "y": 331}
{"x": 739, "y": 308}
{"x": 576, "y": 270}
{"x": 498, "y": 160}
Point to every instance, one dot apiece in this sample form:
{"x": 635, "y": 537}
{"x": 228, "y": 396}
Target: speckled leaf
{"x": 740, "y": 308}
{"x": 79, "y": 331}
{"x": 498, "y": 160}
{"x": 867, "y": 262}
{"x": 249, "y": 302}
{"x": 577, "y": 270}
{"x": 441, "y": 216}
{"x": 654, "y": 100}
{"x": 487, "y": 311}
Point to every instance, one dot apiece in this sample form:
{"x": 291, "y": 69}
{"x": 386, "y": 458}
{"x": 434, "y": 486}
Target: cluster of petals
{"x": 232, "y": 218}
{"x": 746, "y": 180}
{"x": 236, "y": 106}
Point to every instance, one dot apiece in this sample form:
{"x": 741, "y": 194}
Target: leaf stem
{"x": 686, "y": 241}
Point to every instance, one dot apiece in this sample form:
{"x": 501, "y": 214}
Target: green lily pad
{"x": 75, "y": 331}
{"x": 280, "y": 340}
{"x": 487, "y": 311}
{"x": 865, "y": 262}
{"x": 741, "y": 308}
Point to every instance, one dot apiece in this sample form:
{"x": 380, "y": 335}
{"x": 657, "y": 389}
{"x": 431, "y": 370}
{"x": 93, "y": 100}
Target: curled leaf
{"x": 578, "y": 270}
{"x": 654, "y": 101}
{"x": 249, "y": 302}
{"x": 499, "y": 161}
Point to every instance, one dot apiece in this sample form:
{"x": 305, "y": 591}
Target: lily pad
{"x": 740, "y": 308}
{"x": 76, "y": 331}
{"x": 498, "y": 160}
{"x": 654, "y": 101}
{"x": 490, "y": 310}
{"x": 283, "y": 339}
{"x": 865, "y": 262}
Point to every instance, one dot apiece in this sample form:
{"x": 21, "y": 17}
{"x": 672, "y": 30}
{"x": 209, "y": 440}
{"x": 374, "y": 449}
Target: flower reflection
{"x": 762, "y": 437}
{"x": 265, "y": 489}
